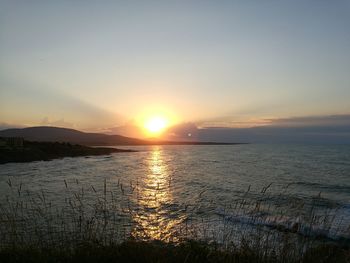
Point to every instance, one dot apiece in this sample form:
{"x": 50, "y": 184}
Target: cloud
{"x": 327, "y": 120}
{"x": 310, "y": 129}
{"x": 128, "y": 129}
{"x": 183, "y": 131}
{"x": 249, "y": 122}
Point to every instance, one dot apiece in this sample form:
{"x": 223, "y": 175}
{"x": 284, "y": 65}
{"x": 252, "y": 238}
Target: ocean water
{"x": 209, "y": 192}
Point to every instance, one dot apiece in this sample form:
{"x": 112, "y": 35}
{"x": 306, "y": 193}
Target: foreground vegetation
{"x": 34, "y": 229}
{"x": 190, "y": 251}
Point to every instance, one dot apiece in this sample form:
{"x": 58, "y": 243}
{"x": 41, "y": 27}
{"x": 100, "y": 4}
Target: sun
{"x": 156, "y": 124}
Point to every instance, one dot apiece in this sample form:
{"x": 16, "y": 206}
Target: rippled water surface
{"x": 167, "y": 188}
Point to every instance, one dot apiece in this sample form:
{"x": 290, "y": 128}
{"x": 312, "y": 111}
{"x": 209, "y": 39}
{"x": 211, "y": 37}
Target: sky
{"x": 104, "y": 65}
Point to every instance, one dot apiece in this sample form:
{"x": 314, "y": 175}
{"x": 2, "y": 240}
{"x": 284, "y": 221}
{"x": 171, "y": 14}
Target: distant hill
{"x": 55, "y": 134}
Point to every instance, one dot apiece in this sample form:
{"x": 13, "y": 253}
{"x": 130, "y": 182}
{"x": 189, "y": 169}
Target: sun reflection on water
{"x": 155, "y": 218}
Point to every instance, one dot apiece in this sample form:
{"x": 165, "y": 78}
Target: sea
{"x": 207, "y": 192}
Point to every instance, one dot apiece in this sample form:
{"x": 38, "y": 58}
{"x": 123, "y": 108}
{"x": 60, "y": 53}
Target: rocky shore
{"x": 45, "y": 151}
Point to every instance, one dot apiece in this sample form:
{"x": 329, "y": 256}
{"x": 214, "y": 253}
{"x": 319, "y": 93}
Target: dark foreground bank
{"x": 191, "y": 251}
{"x": 33, "y": 229}
{"x": 45, "y": 151}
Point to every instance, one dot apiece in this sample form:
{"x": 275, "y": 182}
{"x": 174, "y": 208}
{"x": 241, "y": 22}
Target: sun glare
{"x": 156, "y": 124}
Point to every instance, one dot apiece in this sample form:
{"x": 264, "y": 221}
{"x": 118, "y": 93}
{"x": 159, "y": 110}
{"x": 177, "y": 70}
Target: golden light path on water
{"x": 155, "y": 219}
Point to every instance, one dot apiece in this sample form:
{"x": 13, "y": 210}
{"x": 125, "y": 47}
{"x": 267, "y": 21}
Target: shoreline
{"x": 32, "y": 151}
{"x": 47, "y": 151}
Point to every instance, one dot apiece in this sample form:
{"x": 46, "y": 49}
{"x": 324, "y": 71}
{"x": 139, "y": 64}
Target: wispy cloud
{"x": 327, "y": 120}
{"x": 311, "y": 129}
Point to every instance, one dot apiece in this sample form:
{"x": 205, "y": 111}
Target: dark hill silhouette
{"x": 56, "y": 134}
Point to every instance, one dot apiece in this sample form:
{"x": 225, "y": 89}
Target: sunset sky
{"x": 95, "y": 65}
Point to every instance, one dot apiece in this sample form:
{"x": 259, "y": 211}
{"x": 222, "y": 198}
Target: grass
{"x": 190, "y": 251}
{"x": 97, "y": 224}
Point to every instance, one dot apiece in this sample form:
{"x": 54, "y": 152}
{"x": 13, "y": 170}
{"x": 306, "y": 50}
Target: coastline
{"x": 46, "y": 151}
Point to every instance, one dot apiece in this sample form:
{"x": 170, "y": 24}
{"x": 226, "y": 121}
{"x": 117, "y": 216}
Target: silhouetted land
{"x": 55, "y": 134}
{"x": 44, "y": 151}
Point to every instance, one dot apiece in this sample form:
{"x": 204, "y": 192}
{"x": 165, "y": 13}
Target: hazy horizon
{"x": 111, "y": 66}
